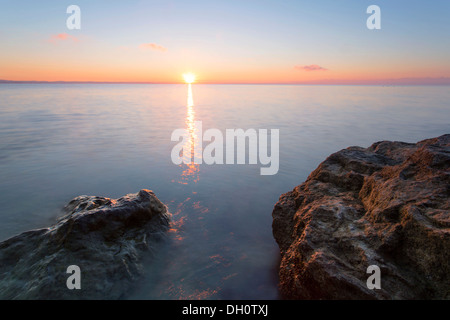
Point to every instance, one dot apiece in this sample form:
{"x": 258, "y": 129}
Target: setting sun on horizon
{"x": 189, "y": 77}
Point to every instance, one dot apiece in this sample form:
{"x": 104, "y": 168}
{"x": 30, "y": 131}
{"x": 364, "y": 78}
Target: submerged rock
{"x": 106, "y": 238}
{"x": 387, "y": 205}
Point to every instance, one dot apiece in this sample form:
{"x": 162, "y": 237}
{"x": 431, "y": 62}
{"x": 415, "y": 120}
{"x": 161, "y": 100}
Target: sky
{"x": 245, "y": 41}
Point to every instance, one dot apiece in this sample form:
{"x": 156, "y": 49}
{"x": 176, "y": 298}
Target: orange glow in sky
{"x": 295, "y": 42}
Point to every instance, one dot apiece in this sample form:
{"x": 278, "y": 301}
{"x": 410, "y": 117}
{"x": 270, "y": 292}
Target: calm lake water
{"x": 61, "y": 141}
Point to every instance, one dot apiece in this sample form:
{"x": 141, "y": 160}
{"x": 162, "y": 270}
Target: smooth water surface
{"x": 58, "y": 141}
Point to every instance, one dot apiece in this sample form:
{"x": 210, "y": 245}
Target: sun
{"x": 189, "y": 77}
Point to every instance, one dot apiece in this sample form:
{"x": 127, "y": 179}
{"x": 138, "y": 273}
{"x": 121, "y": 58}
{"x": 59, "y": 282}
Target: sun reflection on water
{"x": 189, "y": 226}
{"x": 191, "y": 169}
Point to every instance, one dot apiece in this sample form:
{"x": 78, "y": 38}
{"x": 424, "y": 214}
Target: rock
{"x": 106, "y": 238}
{"x": 387, "y": 205}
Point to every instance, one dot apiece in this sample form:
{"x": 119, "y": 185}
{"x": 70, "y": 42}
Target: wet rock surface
{"x": 107, "y": 238}
{"x": 387, "y": 205}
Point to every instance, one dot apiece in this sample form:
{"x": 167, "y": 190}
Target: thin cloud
{"x": 312, "y": 67}
{"x": 62, "y": 37}
{"x": 153, "y": 46}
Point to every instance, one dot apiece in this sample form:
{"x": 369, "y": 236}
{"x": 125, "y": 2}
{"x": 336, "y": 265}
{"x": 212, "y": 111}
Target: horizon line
{"x": 399, "y": 81}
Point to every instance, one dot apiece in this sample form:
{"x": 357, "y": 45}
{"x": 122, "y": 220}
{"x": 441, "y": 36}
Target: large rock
{"x": 106, "y": 238}
{"x": 387, "y": 205}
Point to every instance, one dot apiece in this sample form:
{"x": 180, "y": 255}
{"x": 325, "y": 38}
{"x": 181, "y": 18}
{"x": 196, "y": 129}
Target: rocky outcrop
{"x": 106, "y": 238}
{"x": 387, "y": 205}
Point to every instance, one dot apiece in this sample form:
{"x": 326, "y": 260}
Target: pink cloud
{"x": 62, "y": 37}
{"x": 153, "y": 46}
{"x": 312, "y": 67}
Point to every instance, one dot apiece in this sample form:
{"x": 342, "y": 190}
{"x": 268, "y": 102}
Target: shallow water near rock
{"x": 61, "y": 141}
